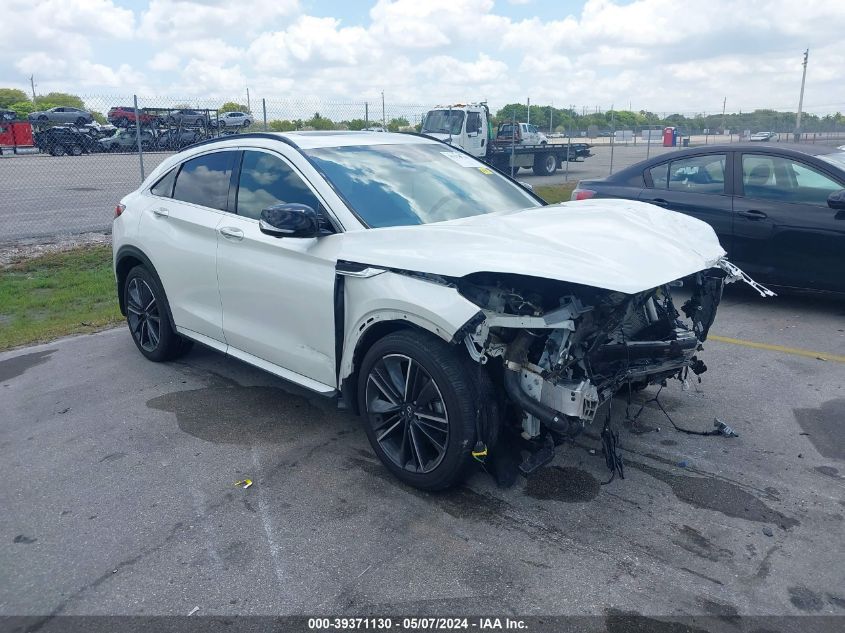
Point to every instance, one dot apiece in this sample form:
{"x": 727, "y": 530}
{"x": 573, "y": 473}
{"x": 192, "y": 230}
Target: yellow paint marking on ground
{"x": 777, "y": 348}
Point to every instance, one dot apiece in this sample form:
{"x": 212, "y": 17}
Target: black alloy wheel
{"x": 418, "y": 399}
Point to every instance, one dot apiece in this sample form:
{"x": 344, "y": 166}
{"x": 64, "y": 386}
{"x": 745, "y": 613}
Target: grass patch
{"x": 555, "y": 193}
{"x": 57, "y": 294}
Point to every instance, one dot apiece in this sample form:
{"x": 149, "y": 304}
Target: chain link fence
{"x": 64, "y": 168}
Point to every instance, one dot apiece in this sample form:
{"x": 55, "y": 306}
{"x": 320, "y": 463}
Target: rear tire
{"x": 147, "y": 316}
{"x": 58, "y": 150}
{"x": 545, "y": 164}
{"x": 75, "y": 150}
{"x": 418, "y": 403}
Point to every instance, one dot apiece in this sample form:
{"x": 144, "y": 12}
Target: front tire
{"x": 545, "y": 164}
{"x": 147, "y": 317}
{"x": 418, "y": 402}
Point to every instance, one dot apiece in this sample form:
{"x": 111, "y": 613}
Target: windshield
{"x": 837, "y": 159}
{"x": 443, "y": 122}
{"x": 419, "y": 183}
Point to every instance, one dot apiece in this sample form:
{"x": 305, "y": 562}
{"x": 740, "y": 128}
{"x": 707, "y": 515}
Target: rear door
{"x": 784, "y": 231}
{"x": 697, "y": 185}
{"x": 277, "y": 293}
{"x": 179, "y": 224}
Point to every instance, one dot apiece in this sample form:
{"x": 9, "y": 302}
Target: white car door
{"x": 277, "y": 293}
{"x": 179, "y": 225}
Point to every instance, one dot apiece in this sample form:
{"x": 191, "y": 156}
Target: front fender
{"x": 393, "y": 296}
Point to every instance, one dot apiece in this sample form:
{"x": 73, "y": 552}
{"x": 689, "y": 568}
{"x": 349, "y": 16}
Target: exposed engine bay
{"x": 564, "y": 349}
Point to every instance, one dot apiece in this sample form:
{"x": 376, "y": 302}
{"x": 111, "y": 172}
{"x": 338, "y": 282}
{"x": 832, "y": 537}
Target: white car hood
{"x": 620, "y": 245}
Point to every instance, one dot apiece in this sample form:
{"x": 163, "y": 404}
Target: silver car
{"x": 62, "y": 114}
{"x": 233, "y": 119}
{"x": 187, "y": 117}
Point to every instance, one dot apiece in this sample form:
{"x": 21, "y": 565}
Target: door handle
{"x": 660, "y": 202}
{"x": 753, "y": 214}
{"x": 231, "y": 233}
{"x": 161, "y": 212}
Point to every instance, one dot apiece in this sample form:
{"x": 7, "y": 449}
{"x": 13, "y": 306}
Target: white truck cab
{"x": 463, "y": 125}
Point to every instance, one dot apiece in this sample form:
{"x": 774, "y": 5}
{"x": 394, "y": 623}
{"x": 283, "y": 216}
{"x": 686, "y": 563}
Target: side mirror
{"x": 836, "y": 200}
{"x": 289, "y": 220}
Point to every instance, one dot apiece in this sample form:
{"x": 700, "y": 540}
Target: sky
{"x": 658, "y": 55}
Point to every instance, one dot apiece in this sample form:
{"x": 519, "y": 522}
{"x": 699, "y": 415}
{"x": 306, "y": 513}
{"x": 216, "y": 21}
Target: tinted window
{"x": 698, "y": 174}
{"x": 164, "y": 187}
{"x": 660, "y": 176}
{"x": 267, "y": 180}
{"x": 784, "y": 179}
{"x": 205, "y": 180}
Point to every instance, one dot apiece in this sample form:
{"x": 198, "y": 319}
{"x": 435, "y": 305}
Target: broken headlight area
{"x": 562, "y": 349}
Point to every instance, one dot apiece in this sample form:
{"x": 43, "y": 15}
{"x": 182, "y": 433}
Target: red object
{"x": 16, "y": 134}
{"x": 582, "y": 194}
{"x": 118, "y": 210}
{"x": 120, "y": 114}
{"x": 668, "y": 137}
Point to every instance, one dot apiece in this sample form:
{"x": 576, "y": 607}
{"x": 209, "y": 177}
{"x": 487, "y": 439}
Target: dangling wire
{"x": 609, "y": 447}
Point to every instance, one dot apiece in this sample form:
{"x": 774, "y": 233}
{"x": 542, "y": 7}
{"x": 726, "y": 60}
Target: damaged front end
{"x": 564, "y": 349}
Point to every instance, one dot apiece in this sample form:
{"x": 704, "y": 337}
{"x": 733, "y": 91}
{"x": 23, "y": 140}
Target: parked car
{"x": 778, "y": 210}
{"x": 762, "y": 137}
{"x": 123, "y": 116}
{"x": 375, "y": 128}
{"x": 523, "y": 133}
{"x": 61, "y": 115}
{"x": 178, "y": 139}
{"x": 188, "y": 117}
{"x": 232, "y": 119}
{"x": 291, "y": 252}
{"x": 127, "y": 140}
{"x": 59, "y": 141}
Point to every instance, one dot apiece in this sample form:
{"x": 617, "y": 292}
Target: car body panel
{"x": 567, "y": 242}
{"x": 183, "y": 247}
{"x": 391, "y": 296}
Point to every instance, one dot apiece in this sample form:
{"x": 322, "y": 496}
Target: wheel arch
{"x": 126, "y": 259}
{"x": 368, "y": 309}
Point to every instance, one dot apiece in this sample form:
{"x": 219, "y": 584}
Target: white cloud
{"x": 649, "y": 52}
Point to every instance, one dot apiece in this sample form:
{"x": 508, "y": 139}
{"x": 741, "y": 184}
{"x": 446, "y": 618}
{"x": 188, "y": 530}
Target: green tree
{"x": 281, "y": 125}
{"x": 356, "y": 124}
{"x": 55, "y": 99}
{"x": 231, "y": 106}
{"x": 319, "y": 123}
{"x": 10, "y": 96}
{"x": 399, "y": 122}
{"x": 22, "y": 108}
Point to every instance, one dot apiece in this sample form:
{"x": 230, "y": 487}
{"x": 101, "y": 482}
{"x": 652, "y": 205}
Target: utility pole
{"x": 32, "y": 84}
{"x": 248, "y": 109}
{"x": 724, "y": 103}
{"x": 529, "y": 111}
{"x": 550, "y": 119}
{"x": 801, "y": 98}
{"x": 383, "y": 120}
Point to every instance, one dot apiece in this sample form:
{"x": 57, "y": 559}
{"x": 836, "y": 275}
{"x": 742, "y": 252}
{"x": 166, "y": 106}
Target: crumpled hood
{"x": 620, "y": 245}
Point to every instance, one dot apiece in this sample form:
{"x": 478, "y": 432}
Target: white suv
{"x": 448, "y": 305}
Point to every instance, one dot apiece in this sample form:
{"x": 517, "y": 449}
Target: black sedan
{"x": 778, "y": 210}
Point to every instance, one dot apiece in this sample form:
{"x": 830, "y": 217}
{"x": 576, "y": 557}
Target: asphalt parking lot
{"x": 118, "y": 493}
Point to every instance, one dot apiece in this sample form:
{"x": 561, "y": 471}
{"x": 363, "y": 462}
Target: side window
{"x": 774, "y": 177}
{"x": 267, "y": 180}
{"x": 473, "y": 123}
{"x": 205, "y": 180}
{"x": 660, "y": 176}
{"x": 698, "y": 174}
{"x": 164, "y": 187}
